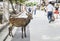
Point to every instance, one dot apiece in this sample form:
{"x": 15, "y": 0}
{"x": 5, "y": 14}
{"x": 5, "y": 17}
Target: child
{"x": 56, "y": 12}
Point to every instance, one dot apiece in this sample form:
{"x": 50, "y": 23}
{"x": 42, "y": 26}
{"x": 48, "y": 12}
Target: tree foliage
{"x": 16, "y": 1}
{"x": 31, "y": 3}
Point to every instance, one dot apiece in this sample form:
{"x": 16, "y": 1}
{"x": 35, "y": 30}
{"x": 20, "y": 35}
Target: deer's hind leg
{"x": 22, "y": 31}
{"x": 10, "y": 30}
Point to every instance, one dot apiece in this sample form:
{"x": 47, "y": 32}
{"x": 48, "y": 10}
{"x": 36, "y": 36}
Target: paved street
{"x": 42, "y": 30}
{"x": 4, "y": 31}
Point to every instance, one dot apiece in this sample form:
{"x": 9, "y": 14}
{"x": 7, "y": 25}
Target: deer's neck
{"x": 28, "y": 20}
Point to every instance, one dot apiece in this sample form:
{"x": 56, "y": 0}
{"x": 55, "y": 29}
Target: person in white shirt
{"x": 49, "y": 10}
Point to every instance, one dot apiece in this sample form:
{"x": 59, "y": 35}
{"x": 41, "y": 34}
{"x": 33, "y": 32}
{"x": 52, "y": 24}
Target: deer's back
{"x": 18, "y": 21}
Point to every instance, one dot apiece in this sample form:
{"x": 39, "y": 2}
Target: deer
{"x": 20, "y": 22}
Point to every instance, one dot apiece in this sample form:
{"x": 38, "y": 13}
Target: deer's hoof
{"x": 22, "y": 37}
{"x": 9, "y": 34}
{"x": 12, "y": 36}
{"x": 25, "y": 36}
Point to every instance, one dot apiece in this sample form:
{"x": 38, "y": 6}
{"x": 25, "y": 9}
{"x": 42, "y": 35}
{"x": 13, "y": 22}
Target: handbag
{"x": 53, "y": 18}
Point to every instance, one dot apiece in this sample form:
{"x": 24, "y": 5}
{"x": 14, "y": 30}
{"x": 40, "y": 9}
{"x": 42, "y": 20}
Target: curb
{"x": 3, "y": 26}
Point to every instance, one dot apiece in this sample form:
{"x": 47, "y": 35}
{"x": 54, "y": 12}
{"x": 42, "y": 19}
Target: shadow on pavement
{"x": 17, "y": 36}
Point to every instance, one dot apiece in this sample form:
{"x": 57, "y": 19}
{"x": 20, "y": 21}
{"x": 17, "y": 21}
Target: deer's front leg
{"x": 25, "y": 31}
{"x": 10, "y": 30}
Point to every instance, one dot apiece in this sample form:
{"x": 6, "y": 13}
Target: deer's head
{"x": 29, "y": 16}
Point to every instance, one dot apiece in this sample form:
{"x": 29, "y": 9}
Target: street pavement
{"x": 42, "y": 30}
{"x": 3, "y": 25}
{"x": 4, "y": 31}
{"x": 17, "y": 35}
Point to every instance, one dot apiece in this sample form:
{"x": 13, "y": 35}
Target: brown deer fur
{"x": 20, "y": 22}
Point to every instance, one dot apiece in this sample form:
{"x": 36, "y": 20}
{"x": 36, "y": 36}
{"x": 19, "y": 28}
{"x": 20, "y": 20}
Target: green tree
{"x": 16, "y": 1}
{"x": 21, "y": 2}
{"x": 12, "y": 6}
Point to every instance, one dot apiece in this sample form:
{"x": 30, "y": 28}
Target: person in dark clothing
{"x": 29, "y": 9}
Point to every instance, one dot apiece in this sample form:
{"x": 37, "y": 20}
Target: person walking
{"x": 49, "y": 11}
{"x": 34, "y": 10}
{"x": 29, "y": 9}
